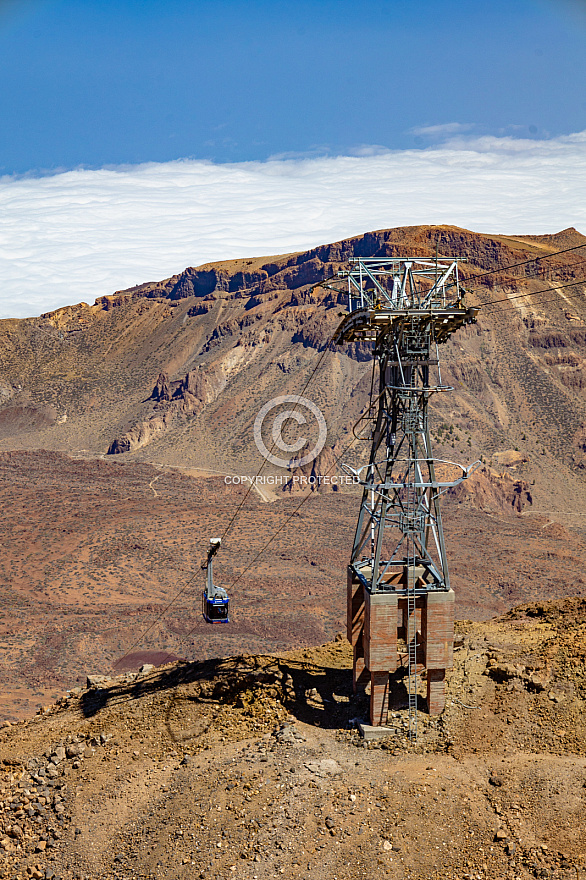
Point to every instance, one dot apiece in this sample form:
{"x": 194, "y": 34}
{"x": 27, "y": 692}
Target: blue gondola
{"x": 215, "y": 602}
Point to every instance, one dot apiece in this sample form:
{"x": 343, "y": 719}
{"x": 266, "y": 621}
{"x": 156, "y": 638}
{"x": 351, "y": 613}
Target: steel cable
{"x": 194, "y": 577}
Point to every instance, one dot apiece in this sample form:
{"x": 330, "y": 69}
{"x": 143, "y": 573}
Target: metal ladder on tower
{"x": 411, "y": 634}
{"x": 411, "y": 622}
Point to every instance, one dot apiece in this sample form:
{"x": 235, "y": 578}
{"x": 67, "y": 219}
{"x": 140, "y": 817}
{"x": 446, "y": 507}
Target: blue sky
{"x": 138, "y": 138}
{"x": 94, "y": 82}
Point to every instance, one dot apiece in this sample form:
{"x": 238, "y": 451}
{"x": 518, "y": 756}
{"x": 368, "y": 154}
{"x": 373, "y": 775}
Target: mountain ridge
{"x": 82, "y": 377}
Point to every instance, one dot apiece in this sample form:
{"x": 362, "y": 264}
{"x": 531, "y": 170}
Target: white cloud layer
{"x": 81, "y": 234}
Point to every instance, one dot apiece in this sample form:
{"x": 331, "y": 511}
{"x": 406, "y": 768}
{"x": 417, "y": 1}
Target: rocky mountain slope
{"x": 175, "y": 371}
{"x": 249, "y": 768}
{"x": 152, "y": 394}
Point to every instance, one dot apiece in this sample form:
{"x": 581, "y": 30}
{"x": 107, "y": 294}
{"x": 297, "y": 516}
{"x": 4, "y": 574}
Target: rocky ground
{"x": 94, "y": 551}
{"x": 251, "y": 767}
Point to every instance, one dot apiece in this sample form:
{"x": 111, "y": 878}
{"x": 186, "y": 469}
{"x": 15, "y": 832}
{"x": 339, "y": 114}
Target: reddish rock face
{"x": 182, "y": 366}
{"x": 162, "y": 391}
{"x": 488, "y": 489}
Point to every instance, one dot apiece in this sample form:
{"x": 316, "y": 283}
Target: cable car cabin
{"x": 215, "y": 602}
{"x": 215, "y": 609}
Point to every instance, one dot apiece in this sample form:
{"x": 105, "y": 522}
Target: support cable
{"x": 157, "y": 619}
{"x": 534, "y": 293}
{"x": 280, "y": 529}
{"x": 264, "y": 462}
{"x": 579, "y": 297}
{"x": 195, "y": 576}
{"x": 523, "y": 263}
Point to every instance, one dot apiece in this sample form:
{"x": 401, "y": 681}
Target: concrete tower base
{"x": 375, "y": 623}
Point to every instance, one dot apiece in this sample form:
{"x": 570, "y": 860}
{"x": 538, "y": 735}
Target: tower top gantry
{"x": 383, "y": 291}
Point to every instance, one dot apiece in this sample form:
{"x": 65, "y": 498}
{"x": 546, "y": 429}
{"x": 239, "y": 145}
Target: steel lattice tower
{"x": 398, "y": 581}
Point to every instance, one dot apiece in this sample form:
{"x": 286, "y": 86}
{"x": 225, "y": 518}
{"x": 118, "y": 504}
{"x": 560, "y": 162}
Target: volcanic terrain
{"x": 249, "y": 768}
{"x": 145, "y": 401}
{"x": 122, "y": 427}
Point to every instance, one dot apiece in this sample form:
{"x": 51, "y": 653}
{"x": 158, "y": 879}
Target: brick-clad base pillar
{"x": 380, "y": 632}
{"x": 355, "y": 608}
{"x": 360, "y": 673}
{"x": 436, "y": 691}
{"x": 379, "y": 698}
{"x": 437, "y": 630}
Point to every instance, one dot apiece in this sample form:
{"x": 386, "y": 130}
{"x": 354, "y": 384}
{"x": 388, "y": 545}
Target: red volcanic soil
{"x": 101, "y": 569}
{"x": 133, "y": 661}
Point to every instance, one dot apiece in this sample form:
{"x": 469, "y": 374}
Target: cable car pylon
{"x": 400, "y": 604}
{"x": 215, "y": 600}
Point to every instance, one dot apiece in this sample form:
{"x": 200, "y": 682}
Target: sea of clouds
{"x": 79, "y": 234}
